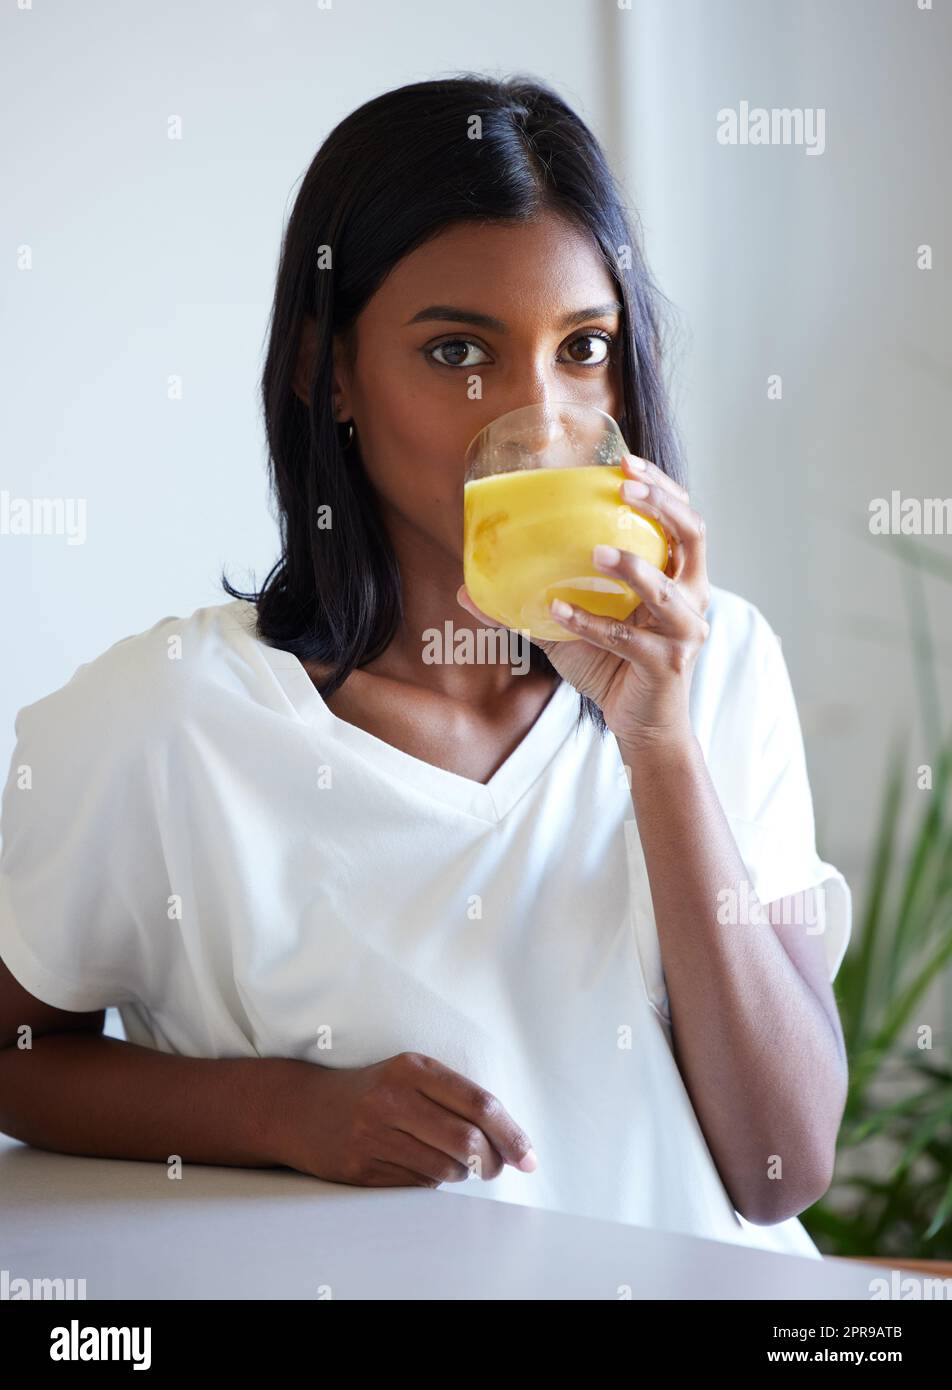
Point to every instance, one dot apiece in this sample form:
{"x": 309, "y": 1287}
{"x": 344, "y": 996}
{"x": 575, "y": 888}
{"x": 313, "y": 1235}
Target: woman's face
{"x": 528, "y": 309}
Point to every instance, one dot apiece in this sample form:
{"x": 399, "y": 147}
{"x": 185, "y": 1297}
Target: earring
{"x": 344, "y": 443}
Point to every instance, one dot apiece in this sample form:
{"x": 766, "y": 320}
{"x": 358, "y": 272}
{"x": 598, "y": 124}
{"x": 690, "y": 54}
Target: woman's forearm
{"x": 757, "y": 1052}
{"x": 83, "y": 1093}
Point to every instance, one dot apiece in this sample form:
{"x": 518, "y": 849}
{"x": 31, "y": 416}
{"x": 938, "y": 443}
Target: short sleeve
{"x": 758, "y": 763}
{"x": 76, "y": 816}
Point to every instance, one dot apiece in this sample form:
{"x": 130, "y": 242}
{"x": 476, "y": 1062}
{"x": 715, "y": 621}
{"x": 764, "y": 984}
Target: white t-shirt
{"x": 206, "y": 846}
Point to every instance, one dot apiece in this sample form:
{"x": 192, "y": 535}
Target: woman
{"x": 394, "y": 922}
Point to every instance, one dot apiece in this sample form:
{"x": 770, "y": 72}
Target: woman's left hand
{"x": 638, "y": 671}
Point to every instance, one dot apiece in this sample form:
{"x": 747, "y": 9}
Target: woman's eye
{"x": 456, "y": 350}
{"x": 592, "y": 354}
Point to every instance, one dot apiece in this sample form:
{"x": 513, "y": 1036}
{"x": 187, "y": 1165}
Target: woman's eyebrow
{"x": 448, "y": 314}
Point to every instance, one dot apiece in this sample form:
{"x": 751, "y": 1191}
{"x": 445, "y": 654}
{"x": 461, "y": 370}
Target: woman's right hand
{"x": 408, "y": 1121}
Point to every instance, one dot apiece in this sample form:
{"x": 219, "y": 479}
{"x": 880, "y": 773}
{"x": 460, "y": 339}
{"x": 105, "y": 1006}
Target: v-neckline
{"x": 489, "y": 801}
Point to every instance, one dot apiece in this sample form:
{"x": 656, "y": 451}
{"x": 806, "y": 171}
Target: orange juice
{"x": 528, "y": 537}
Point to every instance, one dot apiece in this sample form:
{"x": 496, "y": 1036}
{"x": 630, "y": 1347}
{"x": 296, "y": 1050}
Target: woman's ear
{"x": 304, "y": 371}
{"x": 343, "y": 356}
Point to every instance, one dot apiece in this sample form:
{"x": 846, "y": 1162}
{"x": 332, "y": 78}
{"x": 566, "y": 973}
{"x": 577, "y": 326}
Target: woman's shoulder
{"x": 143, "y": 681}
{"x": 735, "y": 620}
{"x": 739, "y": 631}
{"x": 732, "y": 662}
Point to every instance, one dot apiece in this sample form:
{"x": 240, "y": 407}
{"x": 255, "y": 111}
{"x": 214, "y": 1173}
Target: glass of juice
{"x": 540, "y": 490}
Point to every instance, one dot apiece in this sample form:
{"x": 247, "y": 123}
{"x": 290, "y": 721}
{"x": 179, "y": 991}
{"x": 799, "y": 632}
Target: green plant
{"x": 892, "y": 1192}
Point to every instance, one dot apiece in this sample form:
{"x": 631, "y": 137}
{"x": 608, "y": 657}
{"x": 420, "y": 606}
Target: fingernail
{"x": 636, "y": 462}
{"x": 634, "y": 488}
{"x": 606, "y": 555}
{"x": 529, "y": 1161}
{"x": 560, "y": 609}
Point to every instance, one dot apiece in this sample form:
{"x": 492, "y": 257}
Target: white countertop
{"x": 232, "y": 1233}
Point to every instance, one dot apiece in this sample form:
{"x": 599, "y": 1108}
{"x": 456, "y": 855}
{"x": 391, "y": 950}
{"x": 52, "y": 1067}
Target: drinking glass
{"x": 540, "y": 490}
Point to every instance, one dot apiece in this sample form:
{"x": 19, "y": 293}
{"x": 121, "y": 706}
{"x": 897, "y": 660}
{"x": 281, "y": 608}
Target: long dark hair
{"x": 392, "y": 174}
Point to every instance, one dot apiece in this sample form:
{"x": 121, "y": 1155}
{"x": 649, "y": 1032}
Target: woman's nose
{"x": 540, "y": 399}
{"x": 532, "y": 389}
